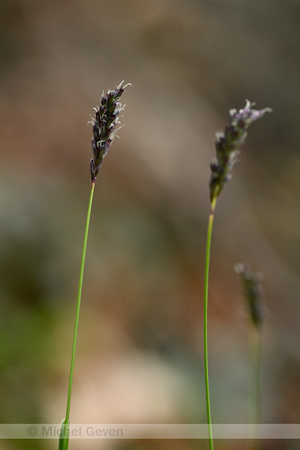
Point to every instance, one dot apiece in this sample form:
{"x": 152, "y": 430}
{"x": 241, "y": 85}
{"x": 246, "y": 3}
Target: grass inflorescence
{"x": 227, "y": 148}
{"x": 105, "y": 125}
{"x": 256, "y": 313}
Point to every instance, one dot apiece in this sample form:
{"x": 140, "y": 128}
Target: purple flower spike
{"x": 105, "y": 126}
{"x": 227, "y": 145}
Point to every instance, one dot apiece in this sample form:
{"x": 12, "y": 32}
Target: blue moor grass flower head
{"x": 106, "y": 123}
{"x": 227, "y": 144}
{"x": 253, "y": 293}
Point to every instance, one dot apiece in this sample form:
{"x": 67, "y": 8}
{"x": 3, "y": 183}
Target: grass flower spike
{"x": 253, "y": 294}
{"x": 227, "y": 144}
{"x": 251, "y": 283}
{"x": 105, "y": 125}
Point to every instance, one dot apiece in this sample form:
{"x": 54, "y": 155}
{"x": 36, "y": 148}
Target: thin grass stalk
{"x": 105, "y": 123}
{"x": 255, "y": 399}
{"x": 64, "y": 432}
{"x": 252, "y": 288}
{"x": 227, "y": 145}
{"x": 255, "y": 343}
{"x": 206, "y": 282}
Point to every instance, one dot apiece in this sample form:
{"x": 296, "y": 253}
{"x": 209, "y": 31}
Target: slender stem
{"x": 256, "y": 376}
{"x": 255, "y": 393}
{"x": 64, "y": 435}
{"x": 207, "y": 259}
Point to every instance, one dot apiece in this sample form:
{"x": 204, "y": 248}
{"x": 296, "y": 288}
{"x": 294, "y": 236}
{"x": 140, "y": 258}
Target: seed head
{"x": 105, "y": 126}
{"x": 253, "y": 293}
{"x": 227, "y": 144}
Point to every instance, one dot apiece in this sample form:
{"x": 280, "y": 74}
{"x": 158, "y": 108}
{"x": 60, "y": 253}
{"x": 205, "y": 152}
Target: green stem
{"x": 256, "y": 376}
{"x": 255, "y": 393}
{"x": 64, "y": 434}
{"x": 207, "y": 259}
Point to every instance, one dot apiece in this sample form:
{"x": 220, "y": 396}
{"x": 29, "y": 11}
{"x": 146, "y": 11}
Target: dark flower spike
{"x": 253, "y": 293}
{"x": 106, "y": 123}
{"x": 227, "y": 145}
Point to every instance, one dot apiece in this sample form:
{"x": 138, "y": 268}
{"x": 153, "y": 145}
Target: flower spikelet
{"x": 105, "y": 125}
{"x": 253, "y": 293}
{"x": 227, "y": 144}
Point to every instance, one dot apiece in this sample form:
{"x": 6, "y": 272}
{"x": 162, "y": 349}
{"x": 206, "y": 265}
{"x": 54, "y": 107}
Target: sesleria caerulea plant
{"x": 105, "y": 126}
{"x": 251, "y": 283}
{"x": 227, "y": 145}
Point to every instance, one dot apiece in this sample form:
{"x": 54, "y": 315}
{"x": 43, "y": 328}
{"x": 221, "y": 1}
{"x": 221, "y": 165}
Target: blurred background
{"x": 140, "y": 343}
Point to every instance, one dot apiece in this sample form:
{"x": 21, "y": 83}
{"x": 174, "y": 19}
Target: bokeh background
{"x": 140, "y": 347}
